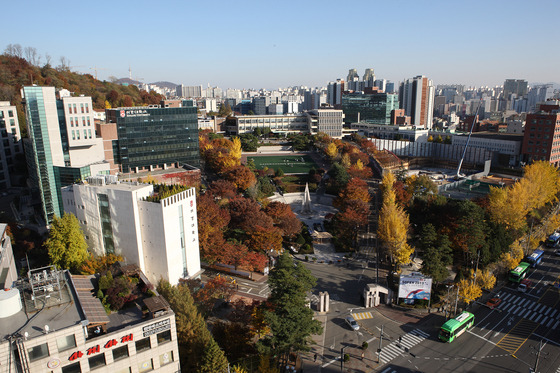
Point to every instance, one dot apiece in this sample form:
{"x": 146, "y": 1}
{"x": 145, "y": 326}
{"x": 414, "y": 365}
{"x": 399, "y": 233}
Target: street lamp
{"x": 342, "y": 358}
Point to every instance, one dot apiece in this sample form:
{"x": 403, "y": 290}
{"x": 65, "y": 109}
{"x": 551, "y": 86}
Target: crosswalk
{"x": 409, "y": 340}
{"x": 362, "y": 315}
{"x": 530, "y": 310}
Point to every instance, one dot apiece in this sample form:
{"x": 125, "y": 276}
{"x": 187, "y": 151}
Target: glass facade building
{"x": 372, "y": 108}
{"x": 155, "y": 136}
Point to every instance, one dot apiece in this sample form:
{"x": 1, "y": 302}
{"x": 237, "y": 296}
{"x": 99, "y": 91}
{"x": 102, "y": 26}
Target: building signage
{"x": 95, "y": 349}
{"x": 156, "y": 327}
{"x": 415, "y": 286}
{"x": 135, "y": 113}
{"x": 53, "y": 363}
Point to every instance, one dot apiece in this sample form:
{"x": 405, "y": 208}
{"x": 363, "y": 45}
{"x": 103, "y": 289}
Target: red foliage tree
{"x": 246, "y": 214}
{"x": 241, "y": 176}
{"x": 283, "y": 218}
{"x": 223, "y": 189}
{"x": 212, "y": 220}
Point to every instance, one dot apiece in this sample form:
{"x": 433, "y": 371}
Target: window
{"x": 70, "y": 108}
{"x": 166, "y": 358}
{"x": 66, "y": 343}
{"x": 97, "y": 361}
{"x": 71, "y": 122}
{"x": 146, "y": 366}
{"x": 73, "y": 135}
{"x": 164, "y": 337}
{"x": 82, "y": 107}
{"x": 89, "y": 134}
{"x": 87, "y": 108}
{"x": 88, "y": 122}
{"x": 143, "y": 344}
{"x": 38, "y": 352}
{"x": 72, "y": 368}
{"x": 75, "y": 110}
{"x": 120, "y": 353}
{"x": 11, "y": 113}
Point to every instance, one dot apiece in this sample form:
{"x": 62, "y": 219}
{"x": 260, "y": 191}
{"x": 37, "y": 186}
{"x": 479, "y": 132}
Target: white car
{"x": 352, "y": 323}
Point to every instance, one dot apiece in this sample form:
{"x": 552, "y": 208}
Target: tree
{"x": 241, "y": 176}
{"x": 291, "y": 321}
{"x": 393, "y": 224}
{"x": 94, "y": 265}
{"x": 469, "y": 291}
{"x": 225, "y": 110}
{"x": 485, "y": 279}
{"x": 331, "y": 150}
{"x": 249, "y": 142}
{"x": 198, "y": 350}
{"x": 66, "y": 244}
{"x": 283, "y": 218}
{"x": 355, "y": 189}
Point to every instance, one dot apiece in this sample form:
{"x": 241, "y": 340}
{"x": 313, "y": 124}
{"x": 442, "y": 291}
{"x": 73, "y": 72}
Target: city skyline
{"x": 274, "y": 45}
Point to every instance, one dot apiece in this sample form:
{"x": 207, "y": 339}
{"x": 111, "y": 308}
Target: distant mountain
{"x": 165, "y": 85}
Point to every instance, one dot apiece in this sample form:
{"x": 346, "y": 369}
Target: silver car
{"x": 352, "y": 323}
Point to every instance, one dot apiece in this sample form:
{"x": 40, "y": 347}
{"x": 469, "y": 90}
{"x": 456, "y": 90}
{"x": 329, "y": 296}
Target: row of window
{"x": 10, "y": 114}
{"x": 74, "y": 121}
{"x": 99, "y": 361}
{"x": 82, "y": 107}
{"x": 76, "y": 134}
{"x": 65, "y": 343}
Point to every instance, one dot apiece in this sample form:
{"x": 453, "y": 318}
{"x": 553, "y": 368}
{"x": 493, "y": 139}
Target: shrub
{"x": 365, "y": 345}
{"x": 346, "y": 358}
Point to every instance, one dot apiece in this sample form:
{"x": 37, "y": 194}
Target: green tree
{"x": 198, "y": 350}
{"x": 66, "y": 244}
{"x": 291, "y": 321}
{"x": 225, "y": 110}
{"x": 249, "y": 142}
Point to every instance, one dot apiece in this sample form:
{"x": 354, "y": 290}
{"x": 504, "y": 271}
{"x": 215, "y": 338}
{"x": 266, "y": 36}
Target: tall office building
{"x": 153, "y": 137}
{"x": 352, "y": 75}
{"x": 62, "y": 146}
{"x": 11, "y": 146}
{"x": 541, "y": 129}
{"x": 260, "y": 105}
{"x": 372, "y": 108}
{"x": 416, "y": 96}
{"x": 369, "y": 78}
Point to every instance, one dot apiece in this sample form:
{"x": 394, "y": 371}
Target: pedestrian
{"x": 315, "y": 358}
{"x": 362, "y": 355}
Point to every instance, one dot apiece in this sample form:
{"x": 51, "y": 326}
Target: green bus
{"x": 518, "y": 273}
{"x": 455, "y": 327}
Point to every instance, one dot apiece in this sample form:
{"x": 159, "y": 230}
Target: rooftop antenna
{"x": 129, "y": 73}
{"x": 458, "y": 176}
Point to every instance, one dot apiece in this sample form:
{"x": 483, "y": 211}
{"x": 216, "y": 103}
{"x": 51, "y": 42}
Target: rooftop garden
{"x": 162, "y": 191}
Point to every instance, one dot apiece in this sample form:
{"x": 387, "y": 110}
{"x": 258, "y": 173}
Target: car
{"x": 493, "y": 303}
{"x": 352, "y": 323}
{"x": 524, "y": 285}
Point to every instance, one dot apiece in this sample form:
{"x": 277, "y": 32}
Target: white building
{"x": 416, "y": 97}
{"x": 10, "y": 145}
{"x": 506, "y": 145}
{"x": 8, "y": 273}
{"x": 158, "y": 234}
{"x": 325, "y": 120}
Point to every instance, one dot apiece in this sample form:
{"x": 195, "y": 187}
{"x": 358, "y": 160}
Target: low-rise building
{"x": 11, "y": 146}
{"x": 8, "y": 274}
{"x": 53, "y": 322}
{"x": 155, "y": 229}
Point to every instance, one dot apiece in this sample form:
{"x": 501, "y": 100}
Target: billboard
{"x": 415, "y": 286}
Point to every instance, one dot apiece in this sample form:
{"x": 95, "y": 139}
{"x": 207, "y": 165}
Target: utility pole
{"x": 538, "y": 356}
{"x": 342, "y": 358}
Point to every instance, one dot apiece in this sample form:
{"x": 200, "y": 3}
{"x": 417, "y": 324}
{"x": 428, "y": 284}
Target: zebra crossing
{"x": 530, "y": 310}
{"x": 362, "y": 316}
{"x": 396, "y": 348}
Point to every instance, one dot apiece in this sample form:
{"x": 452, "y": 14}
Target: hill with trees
{"x": 21, "y": 67}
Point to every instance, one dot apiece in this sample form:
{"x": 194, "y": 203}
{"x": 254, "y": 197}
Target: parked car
{"x": 524, "y": 285}
{"x": 493, "y": 303}
{"x": 352, "y": 323}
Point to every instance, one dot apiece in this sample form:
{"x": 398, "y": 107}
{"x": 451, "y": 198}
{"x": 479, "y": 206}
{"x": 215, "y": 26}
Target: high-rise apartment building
{"x": 369, "y": 78}
{"x": 416, "y": 97}
{"x": 352, "y": 75}
{"x": 260, "y": 105}
{"x": 11, "y": 146}
{"x": 515, "y": 86}
{"x": 189, "y": 91}
{"x": 154, "y": 137}
{"x": 334, "y": 93}
{"x": 62, "y": 146}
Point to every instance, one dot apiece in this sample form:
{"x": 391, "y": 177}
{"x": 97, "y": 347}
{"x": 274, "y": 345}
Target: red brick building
{"x": 541, "y": 139}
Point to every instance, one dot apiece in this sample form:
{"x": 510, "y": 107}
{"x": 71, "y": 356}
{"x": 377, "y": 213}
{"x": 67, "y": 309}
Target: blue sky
{"x": 271, "y": 44}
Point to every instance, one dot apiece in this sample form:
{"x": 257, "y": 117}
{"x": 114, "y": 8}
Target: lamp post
{"x": 342, "y": 358}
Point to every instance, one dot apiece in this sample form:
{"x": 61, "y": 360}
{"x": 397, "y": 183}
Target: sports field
{"x": 290, "y": 164}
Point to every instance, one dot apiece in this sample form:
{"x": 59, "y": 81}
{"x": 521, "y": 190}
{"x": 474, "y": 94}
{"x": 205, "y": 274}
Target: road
{"x": 505, "y": 339}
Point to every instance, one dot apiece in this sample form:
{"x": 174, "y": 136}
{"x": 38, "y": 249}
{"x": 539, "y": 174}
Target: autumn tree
{"x": 198, "y": 351}
{"x": 283, "y": 218}
{"x": 212, "y": 221}
{"x": 98, "y": 264}
{"x": 241, "y": 176}
{"x": 223, "y": 189}
{"x": 393, "y": 224}
{"x": 469, "y": 291}
{"x": 355, "y": 189}
{"x": 66, "y": 244}
{"x": 485, "y": 279}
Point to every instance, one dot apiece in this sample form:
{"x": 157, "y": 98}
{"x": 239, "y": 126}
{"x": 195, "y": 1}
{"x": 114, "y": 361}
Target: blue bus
{"x": 535, "y": 258}
{"x": 553, "y": 239}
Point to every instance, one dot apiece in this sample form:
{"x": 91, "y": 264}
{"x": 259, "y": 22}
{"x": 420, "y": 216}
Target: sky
{"x": 276, "y": 44}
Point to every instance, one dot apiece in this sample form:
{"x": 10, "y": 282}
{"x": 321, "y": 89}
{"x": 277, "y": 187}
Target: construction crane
{"x": 458, "y": 176}
{"x": 95, "y": 68}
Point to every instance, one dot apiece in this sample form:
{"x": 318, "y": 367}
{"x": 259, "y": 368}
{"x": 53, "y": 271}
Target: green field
{"x": 290, "y": 164}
